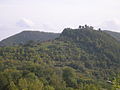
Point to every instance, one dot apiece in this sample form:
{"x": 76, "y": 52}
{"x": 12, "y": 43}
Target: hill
{"x": 26, "y": 36}
{"x": 114, "y": 34}
{"x": 79, "y": 59}
{"x": 37, "y": 36}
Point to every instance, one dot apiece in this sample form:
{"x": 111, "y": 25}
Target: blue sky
{"x": 55, "y": 15}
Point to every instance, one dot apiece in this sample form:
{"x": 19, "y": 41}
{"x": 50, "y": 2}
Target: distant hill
{"x": 26, "y": 36}
{"x": 114, "y": 34}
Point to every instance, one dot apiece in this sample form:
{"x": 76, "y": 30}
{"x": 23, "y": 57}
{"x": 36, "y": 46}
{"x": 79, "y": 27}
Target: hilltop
{"x": 26, "y": 36}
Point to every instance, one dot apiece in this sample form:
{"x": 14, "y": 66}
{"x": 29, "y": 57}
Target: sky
{"x": 55, "y": 15}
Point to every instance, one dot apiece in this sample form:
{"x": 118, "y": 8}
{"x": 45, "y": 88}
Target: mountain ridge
{"x": 39, "y": 36}
{"x": 116, "y": 35}
{"x": 26, "y": 36}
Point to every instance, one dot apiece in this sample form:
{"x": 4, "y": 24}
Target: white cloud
{"x": 25, "y": 23}
{"x": 113, "y": 24}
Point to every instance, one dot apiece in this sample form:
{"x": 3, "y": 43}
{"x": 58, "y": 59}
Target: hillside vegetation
{"x": 28, "y": 36}
{"x": 79, "y": 59}
{"x": 114, "y": 34}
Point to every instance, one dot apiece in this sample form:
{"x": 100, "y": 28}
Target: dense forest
{"x": 79, "y": 59}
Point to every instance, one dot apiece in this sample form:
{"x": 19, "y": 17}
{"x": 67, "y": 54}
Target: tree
{"x": 12, "y": 86}
{"x": 116, "y": 82}
{"x": 22, "y": 84}
{"x": 69, "y": 77}
{"x": 36, "y": 85}
{"x": 80, "y": 27}
{"x": 48, "y": 87}
{"x": 86, "y": 26}
{"x": 91, "y": 27}
{"x": 99, "y": 29}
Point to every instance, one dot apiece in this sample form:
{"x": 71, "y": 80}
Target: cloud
{"x": 1, "y": 25}
{"x": 113, "y": 24}
{"x": 25, "y": 23}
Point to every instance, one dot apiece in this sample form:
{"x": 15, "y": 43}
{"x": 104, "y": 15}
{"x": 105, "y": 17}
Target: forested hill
{"x": 114, "y": 34}
{"x": 79, "y": 59}
{"x": 37, "y": 36}
{"x": 98, "y": 45}
{"x": 89, "y": 39}
{"x": 26, "y": 36}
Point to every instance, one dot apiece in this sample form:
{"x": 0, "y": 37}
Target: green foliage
{"x": 22, "y": 84}
{"x": 80, "y": 59}
{"x": 116, "y": 82}
{"x": 116, "y": 35}
{"x": 12, "y": 86}
{"x": 48, "y": 88}
{"x": 28, "y": 38}
{"x": 70, "y": 77}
